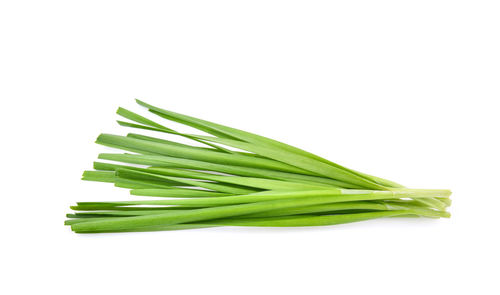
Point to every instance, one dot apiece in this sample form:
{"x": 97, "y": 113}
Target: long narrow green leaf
{"x": 140, "y": 119}
{"x": 126, "y": 173}
{"x": 161, "y": 140}
{"x": 334, "y": 196}
{"x": 113, "y": 213}
{"x": 299, "y": 161}
{"x": 133, "y": 144}
{"x": 177, "y": 193}
{"x": 100, "y": 206}
{"x": 259, "y": 183}
{"x": 160, "y": 161}
{"x": 101, "y": 166}
{"x": 164, "y": 141}
{"x": 285, "y": 221}
{"x": 143, "y": 184}
{"x": 158, "y": 228}
{"x": 276, "y": 221}
{"x": 271, "y": 213}
{"x": 101, "y": 176}
{"x": 322, "y": 208}
{"x": 296, "y": 221}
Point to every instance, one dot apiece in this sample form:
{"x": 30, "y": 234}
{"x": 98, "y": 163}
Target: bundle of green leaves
{"x": 230, "y": 177}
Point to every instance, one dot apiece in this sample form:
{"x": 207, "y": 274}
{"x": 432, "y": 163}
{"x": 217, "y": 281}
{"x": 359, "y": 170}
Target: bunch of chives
{"x": 235, "y": 178}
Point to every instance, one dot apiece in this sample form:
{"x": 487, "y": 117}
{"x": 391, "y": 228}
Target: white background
{"x": 406, "y": 90}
